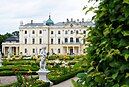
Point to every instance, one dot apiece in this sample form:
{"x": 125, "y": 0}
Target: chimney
{"x": 71, "y": 19}
{"x": 82, "y": 19}
{"x": 67, "y": 20}
{"x": 31, "y": 21}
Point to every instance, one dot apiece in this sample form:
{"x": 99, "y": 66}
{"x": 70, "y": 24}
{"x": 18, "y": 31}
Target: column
{"x": 73, "y": 50}
{"x": 3, "y": 50}
{"x": 16, "y": 50}
{"x": 67, "y": 50}
{"x": 79, "y": 51}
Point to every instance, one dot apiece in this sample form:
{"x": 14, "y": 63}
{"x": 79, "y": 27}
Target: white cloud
{"x": 13, "y": 11}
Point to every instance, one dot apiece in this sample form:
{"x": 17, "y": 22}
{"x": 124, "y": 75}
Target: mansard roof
{"x": 12, "y": 39}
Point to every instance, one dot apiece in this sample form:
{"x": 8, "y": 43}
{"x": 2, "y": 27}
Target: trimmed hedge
{"x": 67, "y": 76}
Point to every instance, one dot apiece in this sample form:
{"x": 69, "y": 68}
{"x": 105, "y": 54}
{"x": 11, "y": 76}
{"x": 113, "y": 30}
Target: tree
{"x": 108, "y": 48}
{"x": 3, "y": 38}
{"x": 15, "y": 33}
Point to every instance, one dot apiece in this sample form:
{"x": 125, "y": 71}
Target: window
{"x": 66, "y": 32}
{"x": 84, "y": 51}
{"x": 51, "y": 41}
{"x": 40, "y": 32}
{"x": 33, "y": 50}
{"x": 71, "y": 32}
{"x": 71, "y": 39}
{"x": 25, "y": 50}
{"x": 58, "y": 32}
{"x": 66, "y": 40}
{"x": 25, "y": 32}
{"x": 77, "y": 32}
{"x": 33, "y": 32}
{"x": 84, "y": 32}
{"x": 84, "y": 41}
{"x": 40, "y": 41}
{"x": 51, "y": 32}
{"x": 52, "y": 51}
{"x": 58, "y": 41}
{"x": 33, "y": 41}
{"x": 77, "y": 40}
{"x": 40, "y": 50}
{"x": 58, "y": 50}
{"x": 25, "y": 41}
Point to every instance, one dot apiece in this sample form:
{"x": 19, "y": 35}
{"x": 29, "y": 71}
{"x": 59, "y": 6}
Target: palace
{"x": 59, "y": 38}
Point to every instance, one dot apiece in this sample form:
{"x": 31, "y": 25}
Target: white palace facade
{"x": 60, "y": 38}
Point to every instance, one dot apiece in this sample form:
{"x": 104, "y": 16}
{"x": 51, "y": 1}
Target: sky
{"x": 14, "y": 11}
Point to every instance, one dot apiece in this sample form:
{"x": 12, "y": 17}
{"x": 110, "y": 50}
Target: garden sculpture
{"x": 43, "y": 56}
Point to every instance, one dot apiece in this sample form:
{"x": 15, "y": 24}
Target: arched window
{"x": 77, "y": 32}
{"x": 25, "y": 32}
{"x": 84, "y": 32}
{"x": 58, "y": 32}
{"x": 59, "y": 41}
{"x": 40, "y": 32}
{"x": 25, "y": 50}
{"x": 66, "y": 40}
{"x": 33, "y": 32}
{"x": 40, "y": 41}
{"x": 51, "y": 40}
{"x": 77, "y": 40}
{"x": 71, "y": 39}
{"x": 71, "y": 32}
{"x": 66, "y": 32}
{"x": 33, "y": 41}
{"x": 25, "y": 41}
{"x": 58, "y": 50}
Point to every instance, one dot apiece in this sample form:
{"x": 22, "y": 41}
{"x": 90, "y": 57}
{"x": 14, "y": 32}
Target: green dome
{"x": 49, "y": 22}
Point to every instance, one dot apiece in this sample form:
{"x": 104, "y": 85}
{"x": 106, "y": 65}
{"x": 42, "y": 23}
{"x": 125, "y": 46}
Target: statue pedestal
{"x": 1, "y": 63}
{"x": 43, "y": 75}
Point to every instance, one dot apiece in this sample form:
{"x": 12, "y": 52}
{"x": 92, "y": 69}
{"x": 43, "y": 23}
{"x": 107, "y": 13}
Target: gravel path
{"x": 7, "y": 80}
{"x": 66, "y": 83}
{"x": 4, "y": 80}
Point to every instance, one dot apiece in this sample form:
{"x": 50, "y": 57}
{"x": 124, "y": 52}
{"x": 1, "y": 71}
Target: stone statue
{"x": 43, "y": 56}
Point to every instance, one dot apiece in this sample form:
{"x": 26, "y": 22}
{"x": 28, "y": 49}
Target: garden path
{"x": 11, "y": 79}
{"x": 66, "y": 83}
{"x": 7, "y": 80}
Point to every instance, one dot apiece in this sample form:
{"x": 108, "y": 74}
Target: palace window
{"x": 84, "y": 41}
{"x": 33, "y": 50}
{"x": 66, "y": 32}
{"x": 52, "y": 32}
{"x": 40, "y": 32}
{"x": 71, "y": 32}
{"x": 33, "y": 32}
{"x": 58, "y": 50}
{"x": 66, "y": 40}
{"x": 58, "y": 41}
{"x": 58, "y": 32}
{"x": 52, "y": 51}
{"x": 40, "y": 41}
{"x": 33, "y": 41}
{"x": 51, "y": 41}
{"x": 71, "y": 39}
{"x": 77, "y": 32}
{"x": 25, "y": 41}
{"x": 25, "y": 32}
{"x": 77, "y": 40}
{"x": 25, "y": 50}
{"x": 84, "y": 32}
